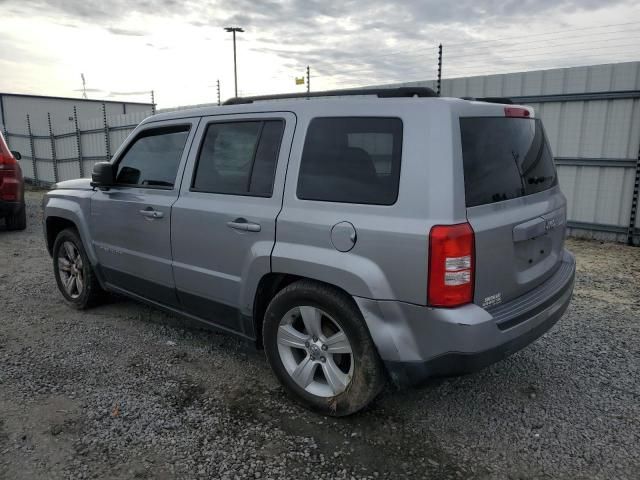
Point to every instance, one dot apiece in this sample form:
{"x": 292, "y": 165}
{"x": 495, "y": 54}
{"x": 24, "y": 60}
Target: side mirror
{"x": 16, "y": 155}
{"x": 102, "y": 176}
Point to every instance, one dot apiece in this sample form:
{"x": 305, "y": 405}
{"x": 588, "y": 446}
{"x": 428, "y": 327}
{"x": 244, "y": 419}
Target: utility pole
{"x": 153, "y": 102}
{"x": 233, "y": 30}
{"x": 439, "y": 68}
{"x": 308, "y": 79}
{"x": 218, "y": 87}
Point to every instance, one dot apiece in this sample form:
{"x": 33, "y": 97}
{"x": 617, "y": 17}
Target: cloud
{"x": 92, "y": 90}
{"x": 15, "y": 52}
{"x": 279, "y": 14}
{"x": 120, "y": 94}
{"x": 126, "y": 32}
{"x": 99, "y": 9}
{"x": 346, "y": 42}
{"x": 157, "y": 47}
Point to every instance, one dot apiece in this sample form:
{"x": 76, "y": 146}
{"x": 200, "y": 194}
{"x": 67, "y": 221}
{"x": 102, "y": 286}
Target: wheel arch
{"x": 61, "y": 213}
{"x": 269, "y": 286}
{"x": 53, "y": 226}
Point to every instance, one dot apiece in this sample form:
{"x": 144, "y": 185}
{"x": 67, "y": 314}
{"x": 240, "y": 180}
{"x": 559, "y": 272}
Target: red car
{"x": 12, "y": 207}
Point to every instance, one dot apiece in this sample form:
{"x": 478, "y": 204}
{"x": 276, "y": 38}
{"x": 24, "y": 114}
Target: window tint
{"x": 536, "y": 164}
{"x": 239, "y": 158}
{"x": 504, "y": 158}
{"x": 153, "y": 158}
{"x": 379, "y": 146}
{"x": 351, "y": 160}
{"x": 264, "y": 168}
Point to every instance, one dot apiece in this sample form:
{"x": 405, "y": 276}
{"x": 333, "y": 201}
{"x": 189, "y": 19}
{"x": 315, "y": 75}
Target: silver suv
{"x": 370, "y": 236}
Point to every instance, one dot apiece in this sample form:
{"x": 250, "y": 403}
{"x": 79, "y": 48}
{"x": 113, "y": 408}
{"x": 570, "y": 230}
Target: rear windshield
{"x": 504, "y": 158}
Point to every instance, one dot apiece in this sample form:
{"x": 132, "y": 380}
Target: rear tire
{"x": 17, "y": 221}
{"x": 319, "y": 347}
{"x": 74, "y": 274}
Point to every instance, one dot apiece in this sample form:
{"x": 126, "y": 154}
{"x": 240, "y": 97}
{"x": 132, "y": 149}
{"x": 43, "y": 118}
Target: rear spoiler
{"x": 504, "y": 100}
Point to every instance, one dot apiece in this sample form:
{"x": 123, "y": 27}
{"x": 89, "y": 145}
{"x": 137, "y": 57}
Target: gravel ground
{"x": 125, "y": 391}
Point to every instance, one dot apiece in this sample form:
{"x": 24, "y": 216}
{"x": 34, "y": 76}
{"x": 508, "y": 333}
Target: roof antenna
{"x": 84, "y": 86}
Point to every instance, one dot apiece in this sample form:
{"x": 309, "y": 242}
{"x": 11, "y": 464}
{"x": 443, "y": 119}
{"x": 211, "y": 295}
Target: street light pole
{"x": 233, "y": 30}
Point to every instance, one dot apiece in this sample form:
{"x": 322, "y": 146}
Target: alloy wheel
{"x": 315, "y": 351}
{"x": 70, "y": 269}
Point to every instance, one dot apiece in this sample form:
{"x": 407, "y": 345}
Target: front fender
{"x": 76, "y": 208}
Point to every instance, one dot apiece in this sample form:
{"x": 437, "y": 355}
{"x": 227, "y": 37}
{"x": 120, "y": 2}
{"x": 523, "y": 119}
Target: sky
{"x": 179, "y": 49}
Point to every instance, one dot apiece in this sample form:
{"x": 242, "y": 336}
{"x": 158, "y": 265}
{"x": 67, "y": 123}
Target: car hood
{"x": 77, "y": 184}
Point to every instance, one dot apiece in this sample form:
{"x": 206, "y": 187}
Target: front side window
{"x": 152, "y": 159}
{"x": 239, "y": 158}
{"x": 351, "y": 160}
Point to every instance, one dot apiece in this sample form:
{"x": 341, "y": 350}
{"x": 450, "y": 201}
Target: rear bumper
{"x": 417, "y": 342}
{"x": 9, "y": 208}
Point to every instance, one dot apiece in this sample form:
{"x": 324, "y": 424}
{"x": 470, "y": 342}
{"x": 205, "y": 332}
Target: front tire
{"x": 319, "y": 347}
{"x": 74, "y": 275}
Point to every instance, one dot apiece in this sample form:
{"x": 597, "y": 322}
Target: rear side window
{"x": 351, "y": 160}
{"x": 152, "y": 159}
{"x": 239, "y": 158}
{"x": 504, "y": 158}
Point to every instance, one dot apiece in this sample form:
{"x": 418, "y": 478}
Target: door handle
{"x": 151, "y": 213}
{"x": 244, "y": 226}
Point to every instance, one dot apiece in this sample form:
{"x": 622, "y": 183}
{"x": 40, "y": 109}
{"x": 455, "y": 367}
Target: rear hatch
{"x": 513, "y": 204}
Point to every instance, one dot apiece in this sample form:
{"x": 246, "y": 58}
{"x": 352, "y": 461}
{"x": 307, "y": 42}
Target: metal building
{"x": 14, "y": 109}
{"x": 61, "y": 138}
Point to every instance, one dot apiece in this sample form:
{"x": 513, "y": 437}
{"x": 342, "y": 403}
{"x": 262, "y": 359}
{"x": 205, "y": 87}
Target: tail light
{"x": 7, "y": 162}
{"x": 451, "y": 265}
{"x": 9, "y": 174}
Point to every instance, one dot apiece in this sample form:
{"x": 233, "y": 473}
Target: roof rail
{"x": 505, "y": 100}
{"x": 379, "y": 92}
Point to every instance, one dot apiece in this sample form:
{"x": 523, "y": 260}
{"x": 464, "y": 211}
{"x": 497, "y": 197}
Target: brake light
{"x": 6, "y": 158}
{"x": 451, "y": 265}
{"x": 7, "y": 162}
{"x": 9, "y": 174}
{"x": 516, "y": 112}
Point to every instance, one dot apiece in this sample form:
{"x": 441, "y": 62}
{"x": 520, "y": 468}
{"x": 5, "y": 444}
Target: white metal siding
{"x": 17, "y": 107}
{"x": 91, "y": 117}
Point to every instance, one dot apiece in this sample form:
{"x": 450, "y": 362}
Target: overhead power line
{"x": 490, "y": 69}
{"x": 497, "y": 56}
{"x": 549, "y": 49}
{"x": 466, "y": 69}
{"x": 520, "y": 40}
{"x": 514, "y": 47}
{"x": 541, "y": 34}
{"x": 489, "y": 64}
{"x": 557, "y": 56}
{"x": 422, "y": 60}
